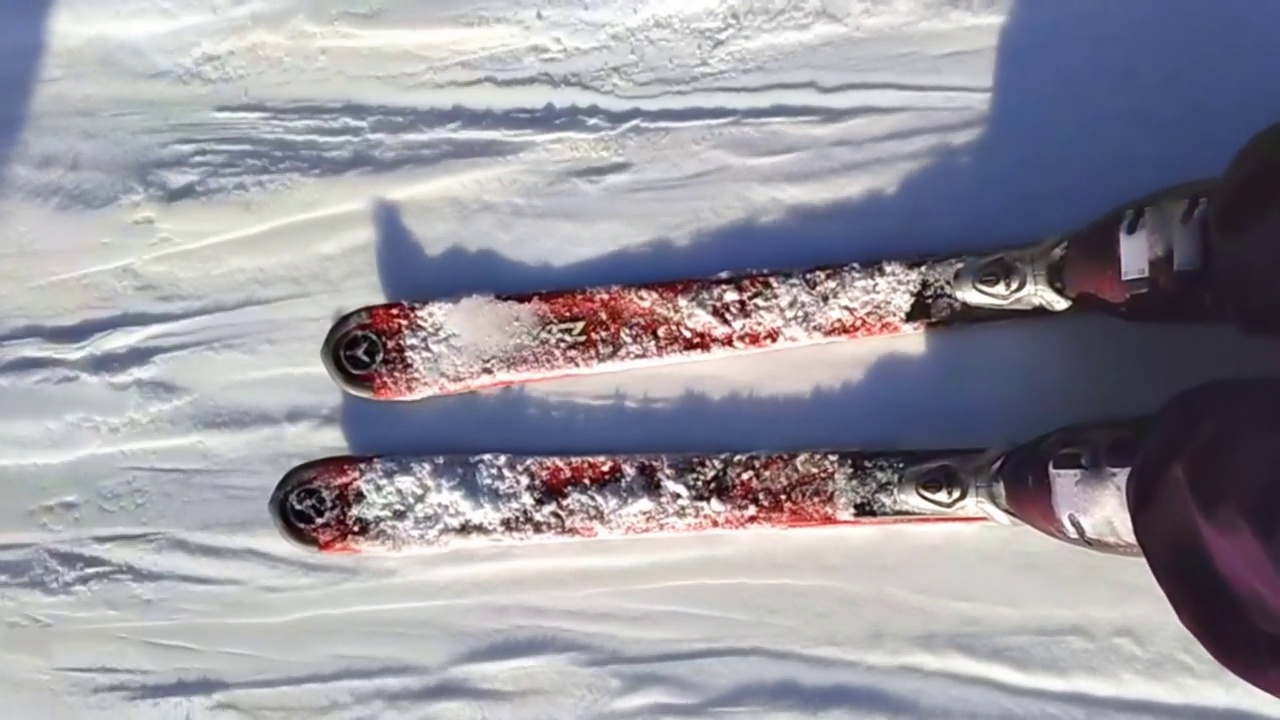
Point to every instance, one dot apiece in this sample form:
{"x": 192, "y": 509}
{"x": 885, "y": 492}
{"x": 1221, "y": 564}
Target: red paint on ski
{"x": 382, "y": 503}
{"x": 611, "y": 328}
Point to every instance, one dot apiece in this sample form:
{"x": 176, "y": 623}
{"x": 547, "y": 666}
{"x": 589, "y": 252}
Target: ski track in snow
{"x": 190, "y": 190}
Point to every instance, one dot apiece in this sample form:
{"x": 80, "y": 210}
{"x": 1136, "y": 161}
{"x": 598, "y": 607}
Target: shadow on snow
{"x": 21, "y": 47}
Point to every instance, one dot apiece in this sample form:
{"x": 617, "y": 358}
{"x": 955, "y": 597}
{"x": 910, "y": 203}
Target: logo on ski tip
{"x": 308, "y": 507}
{"x": 360, "y": 353}
{"x": 941, "y": 486}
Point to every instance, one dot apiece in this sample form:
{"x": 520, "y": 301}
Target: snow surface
{"x": 192, "y": 189}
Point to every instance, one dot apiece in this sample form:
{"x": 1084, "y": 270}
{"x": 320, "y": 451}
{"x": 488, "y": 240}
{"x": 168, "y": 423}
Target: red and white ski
{"x": 1139, "y": 261}
{"x": 405, "y": 351}
{"x": 1069, "y": 484}
{"x": 395, "y": 504}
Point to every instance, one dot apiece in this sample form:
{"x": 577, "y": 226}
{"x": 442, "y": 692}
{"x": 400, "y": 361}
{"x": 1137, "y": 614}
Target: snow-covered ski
{"x": 363, "y": 504}
{"x": 1069, "y": 484}
{"x": 1139, "y": 261}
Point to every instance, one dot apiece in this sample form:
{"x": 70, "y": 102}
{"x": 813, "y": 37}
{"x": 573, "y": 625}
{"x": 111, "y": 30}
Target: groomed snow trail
{"x": 190, "y": 190}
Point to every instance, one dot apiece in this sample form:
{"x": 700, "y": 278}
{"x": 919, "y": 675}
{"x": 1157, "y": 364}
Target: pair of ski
{"x": 1142, "y": 261}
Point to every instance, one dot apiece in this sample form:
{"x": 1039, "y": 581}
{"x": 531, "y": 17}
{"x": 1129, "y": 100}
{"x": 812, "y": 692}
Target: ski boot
{"x": 1142, "y": 261}
{"x": 1068, "y": 484}
{"x": 1205, "y": 251}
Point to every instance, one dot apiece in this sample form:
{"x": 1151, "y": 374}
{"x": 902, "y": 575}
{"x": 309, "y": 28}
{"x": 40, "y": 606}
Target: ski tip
{"x": 354, "y": 352}
{"x": 311, "y": 505}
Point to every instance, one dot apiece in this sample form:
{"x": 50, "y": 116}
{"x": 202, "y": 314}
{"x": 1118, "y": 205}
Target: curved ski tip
{"x": 353, "y": 352}
{"x": 311, "y": 504}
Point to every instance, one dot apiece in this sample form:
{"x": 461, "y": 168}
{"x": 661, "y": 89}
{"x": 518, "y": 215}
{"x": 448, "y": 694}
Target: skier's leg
{"x": 1206, "y": 250}
{"x": 1244, "y": 223}
{"x": 1193, "y": 489}
{"x": 1205, "y": 508}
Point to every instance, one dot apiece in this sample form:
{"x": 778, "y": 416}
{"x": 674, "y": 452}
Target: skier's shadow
{"x": 21, "y": 47}
{"x": 1093, "y": 102}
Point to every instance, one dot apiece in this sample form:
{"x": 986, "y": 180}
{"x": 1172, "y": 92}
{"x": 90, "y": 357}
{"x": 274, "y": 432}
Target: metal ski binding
{"x": 962, "y": 485}
{"x": 1019, "y": 279}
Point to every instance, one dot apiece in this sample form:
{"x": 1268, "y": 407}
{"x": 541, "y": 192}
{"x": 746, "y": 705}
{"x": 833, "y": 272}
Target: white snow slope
{"x": 193, "y": 188}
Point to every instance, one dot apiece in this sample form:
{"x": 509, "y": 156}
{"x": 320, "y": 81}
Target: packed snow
{"x": 191, "y": 191}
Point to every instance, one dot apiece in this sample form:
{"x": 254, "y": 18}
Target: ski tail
{"x": 363, "y": 504}
{"x": 1069, "y": 484}
{"x": 312, "y": 505}
{"x": 414, "y": 350}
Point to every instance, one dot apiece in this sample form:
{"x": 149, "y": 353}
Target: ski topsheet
{"x": 1140, "y": 260}
{"x": 402, "y": 351}
{"x": 362, "y": 504}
